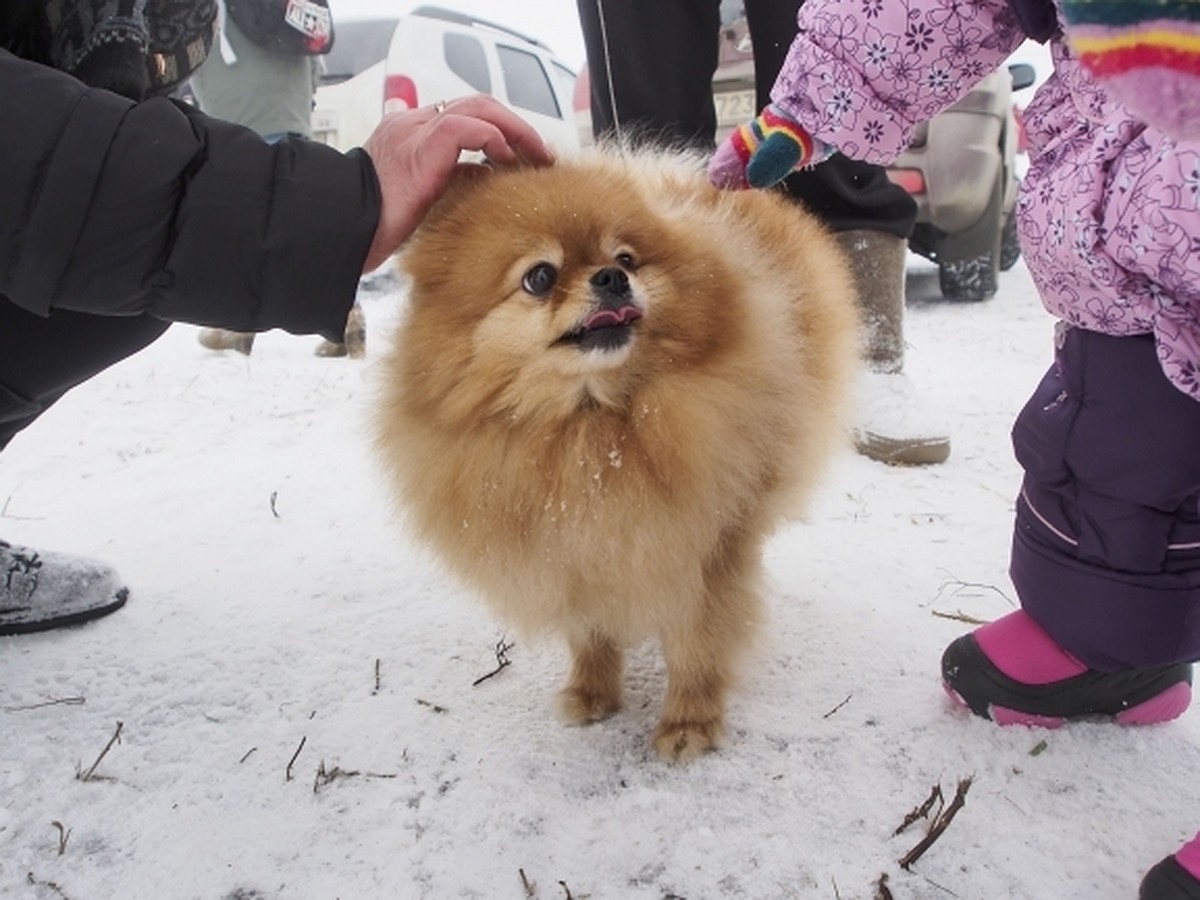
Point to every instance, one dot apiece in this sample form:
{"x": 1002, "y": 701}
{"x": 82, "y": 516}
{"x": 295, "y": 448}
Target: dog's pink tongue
{"x": 606, "y": 318}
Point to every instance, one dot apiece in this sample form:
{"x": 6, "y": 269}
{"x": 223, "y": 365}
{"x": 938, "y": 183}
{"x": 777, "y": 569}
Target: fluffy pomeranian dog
{"x": 612, "y": 382}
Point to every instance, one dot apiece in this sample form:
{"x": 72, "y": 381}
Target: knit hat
{"x": 1146, "y": 53}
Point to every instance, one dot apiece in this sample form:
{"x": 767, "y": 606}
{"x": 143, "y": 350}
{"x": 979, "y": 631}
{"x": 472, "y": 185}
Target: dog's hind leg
{"x": 593, "y": 689}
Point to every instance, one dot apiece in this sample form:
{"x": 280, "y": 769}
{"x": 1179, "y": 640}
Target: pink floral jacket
{"x": 1109, "y": 212}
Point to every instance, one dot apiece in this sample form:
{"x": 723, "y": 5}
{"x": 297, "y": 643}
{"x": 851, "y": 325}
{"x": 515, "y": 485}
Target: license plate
{"x": 734, "y": 107}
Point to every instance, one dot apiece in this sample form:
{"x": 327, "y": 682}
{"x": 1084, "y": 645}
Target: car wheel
{"x": 969, "y": 280}
{"x": 1010, "y": 243}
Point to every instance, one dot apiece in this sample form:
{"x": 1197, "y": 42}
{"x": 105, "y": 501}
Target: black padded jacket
{"x": 115, "y": 208}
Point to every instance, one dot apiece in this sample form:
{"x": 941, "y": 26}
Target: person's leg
{"x": 43, "y": 358}
{"x": 1106, "y": 561}
{"x": 661, "y": 56}
{"x": 1106, "y": 548}
{"x": 872, "y": 218}
{"x": 40, "y": 360}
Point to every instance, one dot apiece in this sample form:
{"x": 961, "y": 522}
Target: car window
{"x": 526, "y": 82}
{"x": 357, "y": 45}
{"x": 565, "y": 77}
{"x": 465, "y": 57}
{"x": 732, "y": 10}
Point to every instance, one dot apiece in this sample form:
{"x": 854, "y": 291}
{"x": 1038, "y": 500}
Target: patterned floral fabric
{"x": 1109, "y": 212}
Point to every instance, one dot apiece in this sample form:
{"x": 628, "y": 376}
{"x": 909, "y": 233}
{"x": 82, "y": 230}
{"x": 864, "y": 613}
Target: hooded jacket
{"x": 1109, "y": 211}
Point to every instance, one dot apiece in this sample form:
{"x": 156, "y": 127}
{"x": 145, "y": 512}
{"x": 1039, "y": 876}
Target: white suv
{"x": 432, "y": 54}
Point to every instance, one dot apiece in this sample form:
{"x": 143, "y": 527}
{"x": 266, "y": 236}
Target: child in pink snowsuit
{"x": 1106, "y": 546}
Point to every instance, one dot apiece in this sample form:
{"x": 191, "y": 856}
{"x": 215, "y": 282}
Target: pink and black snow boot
{"x": 1012, "y": 672}
{"x": 1175, "y": 878}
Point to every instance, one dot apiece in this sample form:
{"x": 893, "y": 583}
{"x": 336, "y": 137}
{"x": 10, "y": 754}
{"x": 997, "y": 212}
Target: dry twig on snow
{"x": 839, "y": 706}
{"x": 50, "y": 884}
{"x": 922, "y": 811}
{"x": 940, "y": 824}
{"x": 292, "y": 761}
{"x": 529, "y": 886}
{"x": 115, "y": 739}
{"x": 57, "y": 701}
{"x": 502, "y": 662}
{"x": 64, "y": 835}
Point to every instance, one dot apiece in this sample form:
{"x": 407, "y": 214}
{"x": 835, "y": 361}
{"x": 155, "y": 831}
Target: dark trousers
{"x": 662, "y": 55}
{"x": 1106, "y": 549}
{"x": 42, "y": 358}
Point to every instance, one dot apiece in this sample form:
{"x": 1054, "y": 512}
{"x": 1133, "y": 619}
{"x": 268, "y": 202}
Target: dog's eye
{"x": 540, "y": 280}
{"x": 626, "y": 261}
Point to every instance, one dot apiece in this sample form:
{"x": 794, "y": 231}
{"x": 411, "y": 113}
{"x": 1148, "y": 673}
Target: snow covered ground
{"x": 293, "y": 678}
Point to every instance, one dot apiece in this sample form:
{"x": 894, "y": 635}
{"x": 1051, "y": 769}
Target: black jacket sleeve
{"x": 116, "y": 208}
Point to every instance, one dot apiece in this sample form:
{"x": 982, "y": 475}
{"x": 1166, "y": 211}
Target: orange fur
{"x": 616, "y": 494}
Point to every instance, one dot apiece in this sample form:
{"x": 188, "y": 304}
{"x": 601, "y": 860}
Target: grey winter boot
{"x": 892, "y": 423}
{"x": 40, "y": 591}
{"x": 223, "y": 339}
{"x": 354, "y": 342}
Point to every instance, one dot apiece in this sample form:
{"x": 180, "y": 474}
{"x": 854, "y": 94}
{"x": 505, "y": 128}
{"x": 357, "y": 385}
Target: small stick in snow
{"x": 246, "y": 755}
{"x": 64, "y": 834}
{"x": 274, "y": 510}
{"x": 502, "y": 662}
{"x": 325, "y": 776}
{"x": 563, "y": 885}
{"x": 292, "y": 761}
{"x": 839, "y": 706}
{"x": 939, "y": 826}
{"x": 4, "y": 514}
{"x": 962, "y": 586}
{"x": 115, "y": 739}
{"x": 922, "y": 811}
{"x": 530, "y": 887}
{"x": 440, "y": 710}
{"x": 58, "y": 701}
{"x": 376, "y": 691}
{"x": 50, "y": 884}
{"x": 882, "y": 891}
{"x": 959, "y": 617}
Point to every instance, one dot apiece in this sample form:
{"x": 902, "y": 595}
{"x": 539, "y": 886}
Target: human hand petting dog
{"x": 415, "y": 152}
{"x": 764, "y": 151}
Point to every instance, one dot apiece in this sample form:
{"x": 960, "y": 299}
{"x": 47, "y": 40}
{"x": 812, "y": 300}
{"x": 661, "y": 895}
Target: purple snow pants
{"x": 1106, "y": 548}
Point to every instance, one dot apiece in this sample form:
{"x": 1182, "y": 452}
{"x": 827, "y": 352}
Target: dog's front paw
{"x": 681, "y": 742}
{"x": 580, "y": 707}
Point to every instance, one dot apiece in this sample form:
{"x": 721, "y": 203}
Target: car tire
{"x": 1010, "y": 243}
{"x": 969, "y": 280}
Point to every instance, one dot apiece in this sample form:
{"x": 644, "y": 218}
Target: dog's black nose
{"x": 611, "y": 281}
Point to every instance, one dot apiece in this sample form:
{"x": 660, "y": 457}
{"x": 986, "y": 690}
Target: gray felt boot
{"x": 40, "y": 591}
{"x": 224, "y": 339}
{"x": 892, "y": 423}
{"x": 354, "y": 344}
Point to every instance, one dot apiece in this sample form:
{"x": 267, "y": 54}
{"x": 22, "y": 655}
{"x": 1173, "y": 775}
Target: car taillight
{"x": 912, "y": 180}
{"x": 399, "y": 94}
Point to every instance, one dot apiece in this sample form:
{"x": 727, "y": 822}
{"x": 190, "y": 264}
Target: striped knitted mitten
{"x": 764, "y": 151}
{"x": 1146, "y": 53}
